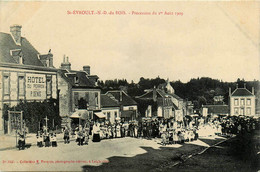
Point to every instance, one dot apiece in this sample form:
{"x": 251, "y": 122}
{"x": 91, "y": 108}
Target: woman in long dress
{"x": 118, "y": 133}
{"x": 96, "y": 133}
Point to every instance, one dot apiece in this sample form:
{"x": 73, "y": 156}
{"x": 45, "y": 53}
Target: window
{"x": 87, "y": 97}
{"x": 248, "y": 102}
{"x": 76, "y": 99}
{"x": 108, "y": 115}
{"x": 96, "y": 99}
{"x": 49, "y": 86}
{"x": 242, "y": 111}
{"x": 131, "y": 108}
{"x": 248, "y": 111}
{"x": 6, "y": 85}
{"x": 242, "y": 101}
{"x": 236, "y": 111}
{"x": 236, "y": 102}
{"x": 21, "y": 85}
{"x": 115, "y": 114}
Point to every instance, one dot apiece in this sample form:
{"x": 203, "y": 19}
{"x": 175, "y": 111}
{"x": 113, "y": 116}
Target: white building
{"x": 242, "y": 102}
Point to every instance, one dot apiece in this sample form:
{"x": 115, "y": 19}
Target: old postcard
{"x": 129, "y": 86}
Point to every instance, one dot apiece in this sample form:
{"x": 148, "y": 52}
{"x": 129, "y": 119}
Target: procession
{"x": 130, "y": 86}
{"x": 167, "y": 131}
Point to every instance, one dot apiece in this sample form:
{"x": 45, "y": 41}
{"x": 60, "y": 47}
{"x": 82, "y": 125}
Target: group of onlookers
{"x": 170, "y": 131}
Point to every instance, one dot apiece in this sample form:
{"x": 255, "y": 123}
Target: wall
{"x": 239, "y": 106}
{"x": 13, "y": 98}
{"x": 112, "y": 111}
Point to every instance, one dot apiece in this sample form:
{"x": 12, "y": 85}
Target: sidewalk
{"x": 9, "y": 141}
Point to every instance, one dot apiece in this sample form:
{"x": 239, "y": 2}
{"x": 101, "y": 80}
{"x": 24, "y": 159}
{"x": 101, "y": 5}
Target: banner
{"x": 35, "y": 86}
{"x": 205, "y": 111}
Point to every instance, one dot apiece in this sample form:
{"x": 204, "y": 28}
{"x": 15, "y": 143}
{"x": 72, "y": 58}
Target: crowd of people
{"x": 168, "y": 130}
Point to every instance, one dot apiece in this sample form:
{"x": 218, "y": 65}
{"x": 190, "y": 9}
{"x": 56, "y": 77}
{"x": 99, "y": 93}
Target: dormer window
{"x": 76, "y": 80}
{"x": 20, "y": 59}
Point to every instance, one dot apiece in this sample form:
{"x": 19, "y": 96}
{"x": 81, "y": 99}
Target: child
{"x": 53, "y": 140}
{"x": 46, "y": 139}
{"x": 163, "y": 136}
{"x": 171, "y": 137}
{"x": 175, "y": 138}
{"x": 66, "y": 136}
{"x": 39, "y": 140}
{"x": 21, "y": 141}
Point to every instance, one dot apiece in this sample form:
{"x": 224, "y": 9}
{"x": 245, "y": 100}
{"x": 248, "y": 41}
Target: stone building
{"x": 25, "y": 74}
{"x": 163, "y": 102}
{"x": 78, "y": 90}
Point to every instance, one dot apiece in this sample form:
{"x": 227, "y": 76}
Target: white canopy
{"x": 81, "y": 113}
{"x": 100, "y": 114}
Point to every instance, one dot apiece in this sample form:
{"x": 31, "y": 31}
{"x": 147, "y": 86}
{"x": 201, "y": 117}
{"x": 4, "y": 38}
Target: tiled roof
{"x": 217, "y": 109}
{"x": 175, "y": 96}
{"x": 30, "y": 54}
{"x": 241, "y": 92}
{"x": 106, "y": 101}
{"x": 126, "y": 99}
{"x": 83, "y": 80}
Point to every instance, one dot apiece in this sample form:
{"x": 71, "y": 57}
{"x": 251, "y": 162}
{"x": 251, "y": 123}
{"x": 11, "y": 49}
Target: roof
{"x": 149, "y": 95}
{"x": 242, "y": 92}
{"x": 82, "y": 79}
{"x": 167, "y": 102}
{"x": 126, "y": 99}
{"x": 106, "y": 101}
{"x": 159, "y": 93}
{"x": 30, "y": 54}
{"x": 217, "y": 109}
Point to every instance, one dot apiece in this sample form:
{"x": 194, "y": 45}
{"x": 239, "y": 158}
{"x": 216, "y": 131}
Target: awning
{"x": 82, "y": 114}
{"x": 100, "y": 114}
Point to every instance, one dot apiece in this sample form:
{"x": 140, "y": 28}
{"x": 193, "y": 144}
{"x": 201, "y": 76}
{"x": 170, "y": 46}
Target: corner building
{"x": 25, "y": 74}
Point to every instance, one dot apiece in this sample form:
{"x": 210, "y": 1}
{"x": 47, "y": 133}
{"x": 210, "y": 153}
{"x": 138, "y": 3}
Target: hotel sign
{"x": 35, "y": 86}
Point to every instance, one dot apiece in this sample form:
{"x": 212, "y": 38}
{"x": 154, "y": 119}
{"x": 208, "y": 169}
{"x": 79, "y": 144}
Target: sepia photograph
{"x": 130, "y": 86}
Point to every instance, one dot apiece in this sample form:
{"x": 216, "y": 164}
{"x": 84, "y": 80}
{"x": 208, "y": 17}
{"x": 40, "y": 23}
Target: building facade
{"x": 242, "y": 102}
{"x": 78, "y": 90}
{"x": 25, "y": 74}
{"x": 163, "y": 102}
{"x": 128, "y": 107}
{"x": 110, "y": 108}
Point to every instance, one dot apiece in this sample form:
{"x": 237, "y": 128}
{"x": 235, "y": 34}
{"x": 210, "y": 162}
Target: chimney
{"x": 86, "y": 69}
{"x": 229, "y": 90}
{"x": 16, "y": 33}
{"x": 47, "y": 59}
{"x": 65, "y": 64}
{"x": 253, "y": 90}
{"x": 244, "y": 85}
{"x": 236, "y": 85}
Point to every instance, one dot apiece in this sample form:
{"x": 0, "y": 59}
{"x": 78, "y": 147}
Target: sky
{"x": 211, "y": 39}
